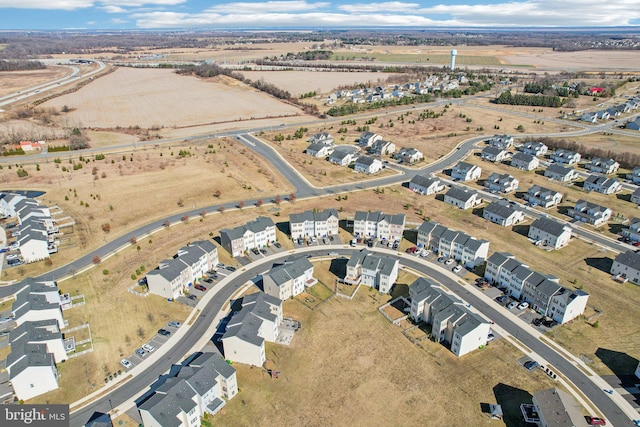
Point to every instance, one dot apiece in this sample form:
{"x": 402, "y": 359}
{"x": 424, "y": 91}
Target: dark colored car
{"x": 192, "y": 297}
{"x": 230, "y": 268}
{"x": 537, "y": 321}
{"x": 277, "y": 245}
{"x": 255, "y": 251}
{"x": 531, "y": 365}
{"x": 164, "y": 332}
{"x": 263, "y": 251}
{"x": 200, "y": 288}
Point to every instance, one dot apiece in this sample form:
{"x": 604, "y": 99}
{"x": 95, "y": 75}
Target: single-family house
{"x": 549, "y": 232}
{"x": 464, "y": 171}
{"x": 600, "y": 165}
{"x": 590, "y": 213}
{"x": 467, "y": 250}
{"x": 375, "y": 271}
{"x": 341, "y": 157}
{"x": 635, "y": 197}
{"x": 501, "y": 183}
{"x": 503, "y": 213}
{"x": 627, "y": 265}
{"x": 525, "y": 161}
{"x": 540, "y": 196}
{"x": 318, "y": 149}
{"x": 409, "y": 155}
{"x": 314, "y": 223}
{"x": 602, "y": 184}
{"x": 198, "y": 388}
{"x": 256, "y": 322}
{"x": 565, "y": 156}
{"x": 254, "y": 234}
{"x": 595, "y": 91}
{"x": 28, "y": 146}
{"x": 501, "y": 141}
{"x": 379, "y": 225}
{"x": 368, "y": 138}
{"x": 603, "y": 115}
{"x": 382, "y": 148}
{"x": 462, "y": 198}
{"x": 321, "y": 137}
{"x": 451, "y": 321}
{"x": 368, "y": 165}
{"x": 560, "y": 173}
{"x": 534, "y": 148}
{"x": 426, "y": 185}
{"x": 589, "y": 117}
{"x": 494, "y": 154}
{"x": 633, "y": 231}
{"x": 633, "y": 124}
{"x": 289, "y": 278}
{"x": 634, "y": 176}
{"x": 555, "y": 407}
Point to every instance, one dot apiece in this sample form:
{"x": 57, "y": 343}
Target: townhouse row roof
{"x": 292, "y": 268}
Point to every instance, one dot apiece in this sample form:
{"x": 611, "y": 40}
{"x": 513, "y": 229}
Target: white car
{"x": 126, "y": 363}
{"x": 457, "y": 269}
{"x": 449, "y": 261}
{"x": 148, "y": 348}
{"x": 523, "y": 305}
{"x": 12, "y": 256}
{"x": 512, "y": 304}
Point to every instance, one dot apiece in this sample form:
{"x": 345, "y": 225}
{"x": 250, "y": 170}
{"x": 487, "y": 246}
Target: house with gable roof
{"x": 462, "y": 198}
{"x": 627, "y": 265}
{"x": 501, "y": 183}
{"x": 494, "y": 154}
{"x": 540, "y": 196}
{"x": 368, "y": 138}
{"x": 634, "y": 176}
{"x": 375, "y": 271}
{"x": 379, "y": 225}
{"x": 549, "y": 232}
{"x": 555, "y": 407}
{"x": 635, "y": 197}
{"x": 256, "y": 322}
{"x": 314, "y": 223}
{"x": 525, "y": 161}
{"x": 503, "y": 213}
{"x": 565, "y": 156}
{"x": 288, "y": 279}
{"x": 633, "y": 231}
{"x": 534, "y": 148}
{"x": 604, "y": 166}
{"x": 426, "y": 185}
{"x": 255, "y": 234}
{"x": 590, "y": 213}
{"x": 368, "y": 165}
{"x": 464, "y": 171}
{"x": 322, "y": 138}
{"x": 501, "y": 141}
{"x": 560, "y": 173}
{"x": 409, "y": 155}
{"x": 319, "y": 150}
{"x": 382, "y": 148}
{"x": 602, "y": 184}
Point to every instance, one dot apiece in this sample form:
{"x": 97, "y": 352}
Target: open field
{"x": 381, "y": 374}
{"x": 14, "y": 81}
{"x": 160, "y": 98}
{"x": 128, "y": 191}
{"x": 426, "y": 59}
{"x": 547, "y": 59}
{"x": 300, "y": 82}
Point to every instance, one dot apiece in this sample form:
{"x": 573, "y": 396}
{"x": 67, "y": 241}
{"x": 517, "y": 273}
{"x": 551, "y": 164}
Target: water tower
{"x": 453, "y": 59}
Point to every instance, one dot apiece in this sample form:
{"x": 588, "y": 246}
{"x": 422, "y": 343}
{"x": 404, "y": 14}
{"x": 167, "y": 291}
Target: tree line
{"x": 626, "y": 159}
{"x": 532, "y": 100}
{"x": 21, "y": 65}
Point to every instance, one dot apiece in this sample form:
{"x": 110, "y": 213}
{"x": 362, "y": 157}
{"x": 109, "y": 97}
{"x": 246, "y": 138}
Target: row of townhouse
{"x": 37, "y": 229}
{"x": 590, "y": 213}
{"x": 376, "y": 271}
{"x": 451, "y": 321}
{"x": 549, "y": 232}
{"x": 503, "y": 212}
{"x": 200, "y": 386}
{"x": 257, "y": 321}
{"x": 37, "y": 341}
{"x": 378, "y": 225}
{"x": 627, "y": 266}
{"x": 255, "y": 234}
{"x": 288, "y": 279}
{"x": 173, "y": 277}
{"x": 542, "y": 292}
{"x": 468, "y": 251}
{"x": 314, "y": 223}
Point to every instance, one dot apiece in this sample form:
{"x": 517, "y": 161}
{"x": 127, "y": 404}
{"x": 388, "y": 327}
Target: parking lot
{"x": 317, "y": 241}
{"x": 153, "y": 344}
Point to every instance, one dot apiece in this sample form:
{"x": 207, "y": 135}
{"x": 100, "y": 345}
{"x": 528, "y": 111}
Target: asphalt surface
{"x": 140, "y": 383}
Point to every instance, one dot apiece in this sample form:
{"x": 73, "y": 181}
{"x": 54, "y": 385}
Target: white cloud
{"x": 266, "y": 7}
{"x": 137, "y": 3}
{"x": 113, "y": 9}
{"x": 46, "y": 4}
{"x": 392, "y": 6}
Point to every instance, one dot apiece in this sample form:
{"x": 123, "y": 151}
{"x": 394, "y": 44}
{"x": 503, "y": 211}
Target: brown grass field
{"x": 381, "y": 378}
{"x": 15, "y": 81}
{"x": 160, "y": 98}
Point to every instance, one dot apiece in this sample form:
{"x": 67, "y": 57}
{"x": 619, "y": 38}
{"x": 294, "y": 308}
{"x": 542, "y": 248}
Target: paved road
{"x": 140, "y": 383}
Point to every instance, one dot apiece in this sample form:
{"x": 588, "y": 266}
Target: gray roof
{"x": 629, "y": 259}
{"x": 258, "y": 225}
{"x": 601, "y": 181}
{"x": 500, "y": 208}
{"x": 38, "y": 331}
{"x": 246, "y": 323}
{"x": 522, "y": 272}
{"x": 26, "y": 302}
{"x": 311, "y": 216}
{"x": 492, "y": 151}
{"x": 316, "y": 146}
{"x": 173, "y": 397}
{"x": 541, "y": 192}
{"x": 27, "y": 355}
{"x": 205, "y": 245}
{"x": 469, "y": 322}
{"x": 216, "y": 361}
{"x": 366, "y": 160}
{"x": 424, "y": 288}
{"x": 463, "y": 166}
{"x": 559, "y": 409}
{"x": 548, "y": 288}
{"x": 340, "y": 154}
{"x": 424, "y": 181}
{"x": 499, "y": 258}
{"x": 169, "y": 269}
{"x": 291, "y": 269}
{"x": 549, "y": 225}
{"x": 558, "y": 169}
{"x": 523, "y": 157}
{"x": 461, "y": 194}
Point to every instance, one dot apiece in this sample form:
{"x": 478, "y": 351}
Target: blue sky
{"x": 164, "y": 14}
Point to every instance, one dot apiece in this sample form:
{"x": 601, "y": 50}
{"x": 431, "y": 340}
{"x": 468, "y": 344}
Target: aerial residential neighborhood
{"x": 206, "y": 225}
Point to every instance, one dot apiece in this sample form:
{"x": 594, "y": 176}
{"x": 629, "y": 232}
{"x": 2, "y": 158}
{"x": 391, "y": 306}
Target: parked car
{"x": 208, "y": 280}
{"x": 449, "y": 261}
{"x": 512, "y": 304}
{"x": 126, "y": 363}
{"x": 6, "y": 319}
{"x": 490, "y": 337}
{"x": 530, "y": 365}
{"x": 263, "y": 251}
{"x": 277, "y": 245}
{"x": 425, "y": 253}
{"x": 140, "y": 352}
{"x": 148, "y": 348}
{"x": 192, "y": 297}
{"x": 174, "y": 324}
{"x": 221, "y": 265}
{"x": 230, "y": 268}
{"x": 200, "y": 288}
{"x": 12, "y": 256}
{"x": 457, "y": 269}
{"x": 537, "y": 321}
{"x": 255, "y": 251}
{"x": 523, "y": 305}
{"x": 441, "y": 259}
{"x": 164, "y": 332}
{"x": 595, "y": 421}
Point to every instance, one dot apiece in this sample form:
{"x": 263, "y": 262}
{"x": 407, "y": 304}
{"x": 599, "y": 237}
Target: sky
{"x": 301, "y": 14}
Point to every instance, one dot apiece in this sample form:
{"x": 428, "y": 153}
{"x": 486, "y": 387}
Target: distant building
{"x": 604, "y": 166}
{"x": 565, "y": 156}
{"x": 382, "y": 148}
{"x": 368, "y": 138}
{"x": 501, "y": 183}
{"x": 322, "y": 138}
{"x": 534, "y": 148}
{"x": 462, "y": 198}
{"x": 501, "y": 141}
